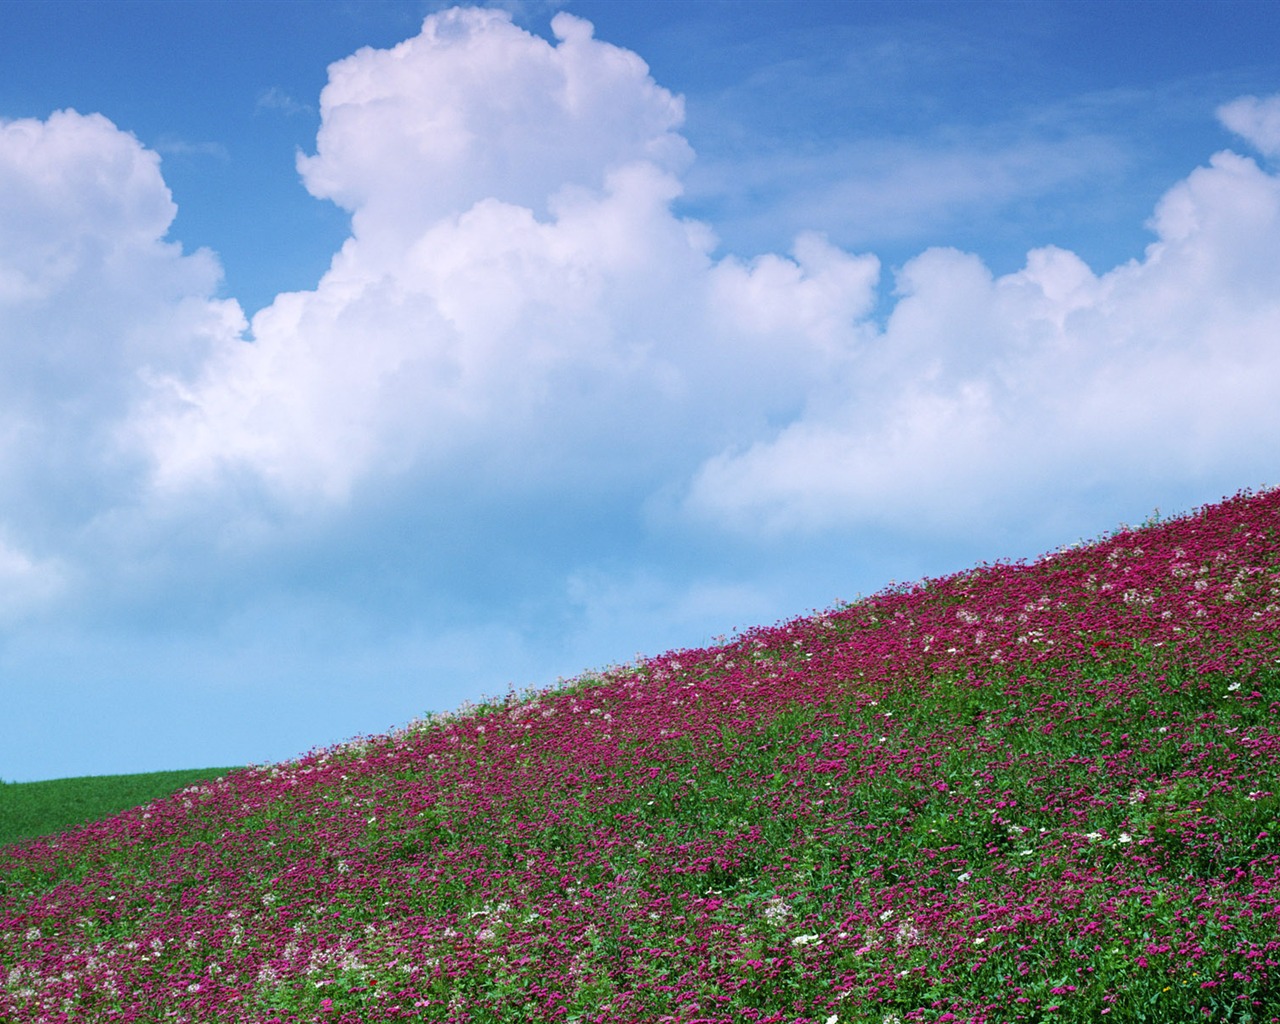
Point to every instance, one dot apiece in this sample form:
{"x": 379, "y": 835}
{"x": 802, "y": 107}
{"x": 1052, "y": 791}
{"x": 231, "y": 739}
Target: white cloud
{"x": 474, "y": 108}
{"x": 518, "y": 315}
{"x": 1255, "y": 120}
{"x": 75, "y": 192}
{"x": 1019, "y": 392}
{"x": 94, "y": 303}
{"x": 517, "y": 304}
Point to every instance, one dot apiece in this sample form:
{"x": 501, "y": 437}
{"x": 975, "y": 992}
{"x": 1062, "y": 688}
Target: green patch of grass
{"x": 29, "y": 810}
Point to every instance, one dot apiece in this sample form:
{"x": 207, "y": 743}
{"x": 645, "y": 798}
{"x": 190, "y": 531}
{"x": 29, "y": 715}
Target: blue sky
{"x": 364, "y": 359}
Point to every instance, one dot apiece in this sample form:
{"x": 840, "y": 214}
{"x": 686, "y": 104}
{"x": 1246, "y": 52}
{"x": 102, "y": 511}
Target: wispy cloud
{"x": 167, "y": 145}
{"x": 887, "y": 190}
{"x": 277, "y": 100}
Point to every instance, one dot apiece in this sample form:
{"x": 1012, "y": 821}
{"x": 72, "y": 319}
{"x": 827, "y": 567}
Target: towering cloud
{"x": 474, "y": 108}
{"x": 517, "y": 296}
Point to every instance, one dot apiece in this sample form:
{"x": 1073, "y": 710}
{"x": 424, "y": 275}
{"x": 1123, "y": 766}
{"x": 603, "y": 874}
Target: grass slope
{"x": 1038, "y": 792}
{"x": 32, "y": 809}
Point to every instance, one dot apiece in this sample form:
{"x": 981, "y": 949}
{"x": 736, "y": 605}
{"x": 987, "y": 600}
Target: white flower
{"x": 804, "y": 940}
{"x": 1233, "y": 687}
{"x": 886, "y": 915}
{"x": 833, "y": 1019}
{"x": 1124, "y": 837}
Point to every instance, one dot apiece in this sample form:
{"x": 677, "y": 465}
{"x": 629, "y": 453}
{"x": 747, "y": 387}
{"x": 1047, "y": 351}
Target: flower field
{"x": 1028, "y": 792}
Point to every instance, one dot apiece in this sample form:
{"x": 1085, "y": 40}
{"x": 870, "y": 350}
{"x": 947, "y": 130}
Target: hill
{"x": 1028, "y": 792}
{"x": 31, "y": 809}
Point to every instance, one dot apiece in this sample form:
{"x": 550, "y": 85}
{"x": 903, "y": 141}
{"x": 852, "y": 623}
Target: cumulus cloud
{"x": 519, "y": 315}
{"x": 517, "y": 304}
{"x": 474, "y": 108}
{"x": 1255, "y": 120}
{"x": 94, "y": 305}
{"x": 1018, "y": 392}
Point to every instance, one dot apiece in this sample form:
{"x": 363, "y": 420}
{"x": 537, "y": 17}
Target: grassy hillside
{"x": 1039, "y": 792}
{"x": 31, "y": 809}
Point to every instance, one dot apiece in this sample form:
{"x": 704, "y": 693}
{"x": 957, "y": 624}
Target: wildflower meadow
{"x": 1041, "y": 791}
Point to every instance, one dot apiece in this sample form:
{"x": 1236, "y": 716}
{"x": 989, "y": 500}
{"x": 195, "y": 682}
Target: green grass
{"x": 32, "y": 809}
